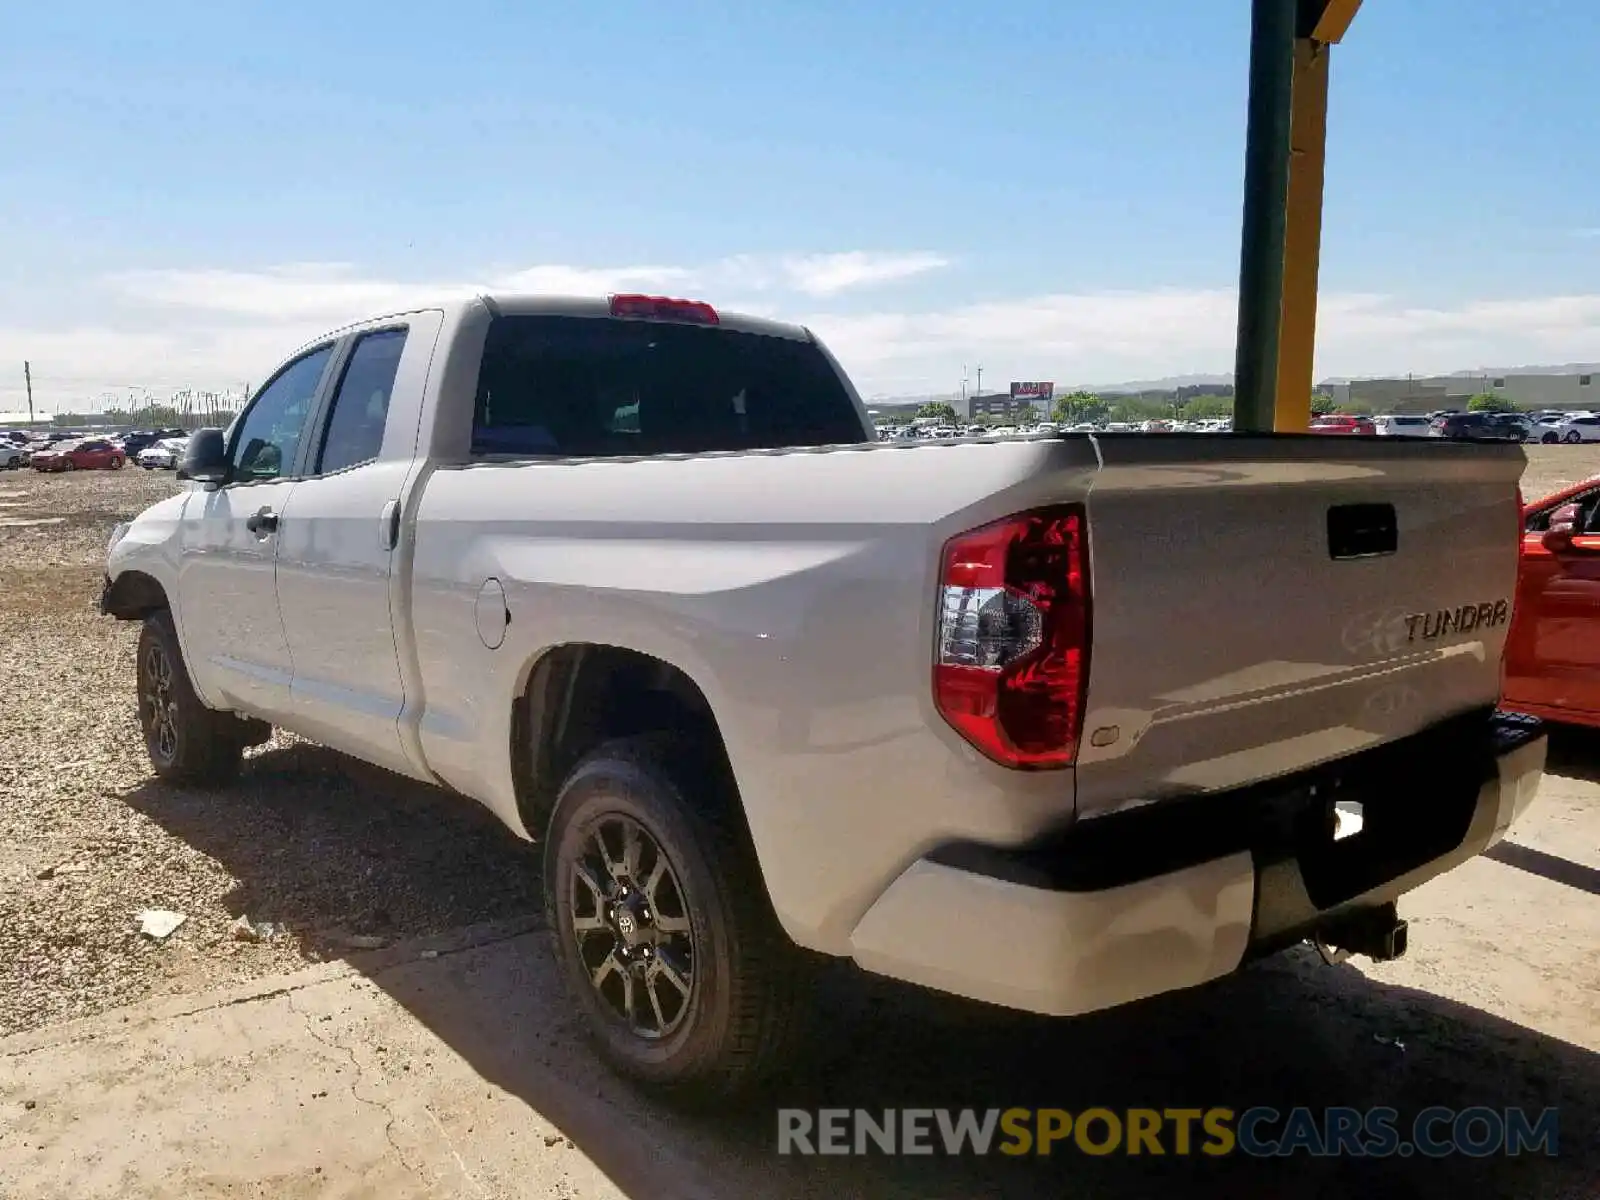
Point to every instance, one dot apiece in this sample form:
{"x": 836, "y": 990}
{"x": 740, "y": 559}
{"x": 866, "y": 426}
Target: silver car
{"x": 164, "y": 455}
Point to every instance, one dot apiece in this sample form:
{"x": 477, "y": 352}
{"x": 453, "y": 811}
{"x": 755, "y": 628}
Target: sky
{"x": 1048, "y": 188}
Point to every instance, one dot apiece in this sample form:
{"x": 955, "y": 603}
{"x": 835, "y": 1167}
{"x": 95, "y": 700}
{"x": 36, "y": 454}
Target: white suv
{"x": 1577, "y": 429}
{"x": 1408, "y": 426}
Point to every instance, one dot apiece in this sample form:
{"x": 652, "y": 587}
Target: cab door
{"x": 233, "y": 637}
{"x": 337, "y": 540}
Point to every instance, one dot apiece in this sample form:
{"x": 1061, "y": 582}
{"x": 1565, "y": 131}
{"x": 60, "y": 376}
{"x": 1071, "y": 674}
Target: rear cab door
{"x": 336, "y": 543}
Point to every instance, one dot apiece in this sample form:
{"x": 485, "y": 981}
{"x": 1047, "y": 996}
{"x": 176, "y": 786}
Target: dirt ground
{"x": 353, "y": 856}
{"x": 88, "y": 838}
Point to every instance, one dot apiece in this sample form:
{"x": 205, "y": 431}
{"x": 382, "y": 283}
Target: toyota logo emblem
{"x": 1376, "y": 633}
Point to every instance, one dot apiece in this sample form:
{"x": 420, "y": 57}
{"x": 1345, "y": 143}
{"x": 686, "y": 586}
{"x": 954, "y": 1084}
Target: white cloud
{"x": 218, "y": 328}
{"x": 325, "y": 291}
{"x": 829, "y": 274}
{"x": 587, "y": 281}
{"x": 1085, "y": 337}
{"x": 335, "y": 291}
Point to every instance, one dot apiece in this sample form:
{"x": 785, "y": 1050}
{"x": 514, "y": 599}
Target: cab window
{"x": 354, "y": 432}
{"x": 268, "y": 435}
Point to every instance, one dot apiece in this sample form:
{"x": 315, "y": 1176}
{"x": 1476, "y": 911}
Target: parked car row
{"x": 935, "y": 431}
{"x": 1548, "y": 428}
{"x": 76, "y": 451}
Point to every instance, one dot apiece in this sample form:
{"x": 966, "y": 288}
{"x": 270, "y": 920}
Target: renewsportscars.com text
{"x": 1261, "y": 1132}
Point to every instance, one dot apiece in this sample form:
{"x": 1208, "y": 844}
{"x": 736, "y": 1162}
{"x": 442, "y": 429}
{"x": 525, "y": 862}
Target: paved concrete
{"x": 451, "y": 1069}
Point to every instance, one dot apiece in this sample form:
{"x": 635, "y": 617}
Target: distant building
{"x": 1419, "y": 394}
{"x": 999, "y": 405}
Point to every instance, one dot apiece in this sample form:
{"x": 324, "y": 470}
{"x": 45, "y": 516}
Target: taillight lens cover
{"x": 1011, "y": 664}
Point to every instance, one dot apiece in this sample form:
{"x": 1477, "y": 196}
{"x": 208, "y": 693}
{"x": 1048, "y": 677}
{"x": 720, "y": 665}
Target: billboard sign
{"x": 1033, "y": 391}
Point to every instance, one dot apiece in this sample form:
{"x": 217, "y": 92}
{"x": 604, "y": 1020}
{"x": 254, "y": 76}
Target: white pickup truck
{"x": 1055, "y": 723}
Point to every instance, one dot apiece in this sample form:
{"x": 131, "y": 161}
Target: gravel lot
{"x": 330, "y": 849}
{"x": 317, "y": 842}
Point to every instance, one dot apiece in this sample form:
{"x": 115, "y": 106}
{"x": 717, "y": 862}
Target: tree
{"x": 1354, "y": 408}
{"x": 1321, "y": 405}
{"x": 938, "y": 410}
{"x": 1079, "y": 406}
{"x": 1201, "y": 407}
{"x": 1132, "y": 409}
{"x": 1490, "y": 402}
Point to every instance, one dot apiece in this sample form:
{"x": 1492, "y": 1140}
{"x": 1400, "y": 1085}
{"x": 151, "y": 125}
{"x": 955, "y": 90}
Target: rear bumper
{"x": 1170, "y": 895}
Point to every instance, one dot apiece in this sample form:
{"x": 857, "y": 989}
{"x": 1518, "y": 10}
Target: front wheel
{"x": 116, "y": 464}
{"x": 187, "y": 742}
{"x": 70, "y": 466}
{"x": 1550, "y": 439}
{"x": 662, "y": 927}
{"x": 1573, "y": 437}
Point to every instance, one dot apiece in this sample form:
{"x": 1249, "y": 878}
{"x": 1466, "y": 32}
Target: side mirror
{"x": 1563, "y": 526}
{"x": 205, "y": 459}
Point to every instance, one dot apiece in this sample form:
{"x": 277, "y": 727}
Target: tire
{"x": 1573, "y": 437}
{"x": 116, "y": 464}
{"x": 1550, "y": 439}
{"x": 70, "y": 466}
{"x": 195, "y": 744}
{"x": 729, "y": 988}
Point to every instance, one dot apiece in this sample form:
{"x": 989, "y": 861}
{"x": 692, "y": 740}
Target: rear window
{"x": 598, "y": 387}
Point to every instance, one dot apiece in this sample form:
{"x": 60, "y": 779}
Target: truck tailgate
{"x": 1263, "y": 604}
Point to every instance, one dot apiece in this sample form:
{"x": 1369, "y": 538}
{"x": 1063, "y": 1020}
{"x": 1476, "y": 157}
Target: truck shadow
{"x": 1575, "y": 753}
{"x": 386, "y": 856}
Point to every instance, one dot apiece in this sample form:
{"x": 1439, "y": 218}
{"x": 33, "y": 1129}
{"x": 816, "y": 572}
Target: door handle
{"x": 262, "y": 523}
{"x": 389, "y": 530}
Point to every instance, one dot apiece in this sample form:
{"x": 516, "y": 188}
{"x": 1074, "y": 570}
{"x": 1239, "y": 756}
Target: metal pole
{"x": 27, "y": 378}
{"x": 1266, "y": 192}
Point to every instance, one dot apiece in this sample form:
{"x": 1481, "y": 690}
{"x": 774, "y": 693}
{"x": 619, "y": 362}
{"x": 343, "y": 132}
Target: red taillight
{"x": 1011, "y": 667}
{"x": 663, "y": 308}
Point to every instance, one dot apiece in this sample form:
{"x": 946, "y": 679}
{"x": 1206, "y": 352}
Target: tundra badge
{"x": 1428, "y": 627}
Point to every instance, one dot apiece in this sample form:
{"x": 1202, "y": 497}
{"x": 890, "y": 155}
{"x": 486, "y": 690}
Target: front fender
{"x": 141, "y": 575}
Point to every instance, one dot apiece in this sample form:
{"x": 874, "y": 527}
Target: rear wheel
{"x": 1573, "y": 437}
{"x": 70, "y": 466}
{"x": 116, "y": 464}
{"x": 187, "y": 742}
{"x": 663, "y": 930}
{"x": 1550, "y": 439}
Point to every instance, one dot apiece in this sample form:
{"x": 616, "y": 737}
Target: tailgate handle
{"x": 1362, "y": 530}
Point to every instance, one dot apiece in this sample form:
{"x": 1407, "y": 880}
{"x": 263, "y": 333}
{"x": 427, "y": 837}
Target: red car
{"x": 1552, "y": 660}
{"x": 80, "y": 456}
{"x": 1340, "y": 424}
